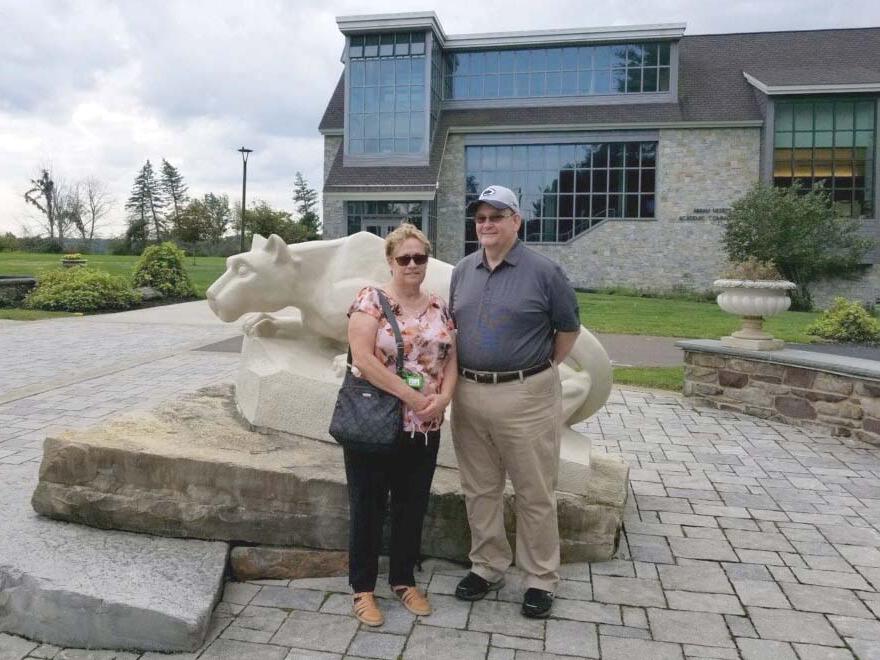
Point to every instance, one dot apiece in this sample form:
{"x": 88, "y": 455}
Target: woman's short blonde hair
{"x": 403, "y": 232}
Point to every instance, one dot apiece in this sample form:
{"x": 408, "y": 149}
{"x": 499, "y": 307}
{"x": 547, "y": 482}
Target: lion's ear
{"x": 277, "y": 248}
{"x": 257, "y": 242}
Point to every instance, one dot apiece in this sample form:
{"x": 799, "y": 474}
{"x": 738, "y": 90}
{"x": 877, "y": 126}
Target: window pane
{"x": 569, "y": 83}
{"x": 506, "y": 59}
{"x": 784, "y": 117}
{"x": 357, "y": 73}
{"x": 865, "y": 115}
{"x": 618, "y": 80}
{"x": 664, "y": 54}
{"x": 602, "y": 57}
{"x": 650, "y": 84}
{"x": 824, "y": 116}
{"x": 844, "y": 113}
{"x": 554, "y": 84}
{"x": 663, "y": 83}
{"x": 371, "y": 126}
{"x": 416, "y": 124}
{"x": 601, "y": 81}
{"x": 651, "y": 54}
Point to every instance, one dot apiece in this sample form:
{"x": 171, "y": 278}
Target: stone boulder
{"x": 194, "y": 468}
{"x": 71, "y": 585}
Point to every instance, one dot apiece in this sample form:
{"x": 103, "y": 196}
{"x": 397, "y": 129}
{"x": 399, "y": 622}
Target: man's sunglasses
{"x": 417, "y": 259}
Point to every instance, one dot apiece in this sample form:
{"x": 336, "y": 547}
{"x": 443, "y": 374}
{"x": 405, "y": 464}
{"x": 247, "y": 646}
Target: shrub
{"x": 162, "y": 267}
{"x": 8, "y": 242}
{"x": 752, "y": 269}
{"x": 39, "y": 244}
{"x": 797, "y": 230}
{"x": 81, "y": 290}
{"x": 846, "y": 321}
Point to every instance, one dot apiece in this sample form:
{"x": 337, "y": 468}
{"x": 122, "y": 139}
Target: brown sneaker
{"x": 366, "y": 610}
{"x": 413, "y": 600}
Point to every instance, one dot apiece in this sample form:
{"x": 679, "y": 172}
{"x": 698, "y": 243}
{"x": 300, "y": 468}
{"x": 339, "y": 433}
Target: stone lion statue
{"x": 298, "y": 357}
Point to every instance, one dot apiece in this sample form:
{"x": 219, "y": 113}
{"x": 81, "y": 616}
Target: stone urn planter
{"x": 753, "y": 300}
{"x": 71, "y": 260}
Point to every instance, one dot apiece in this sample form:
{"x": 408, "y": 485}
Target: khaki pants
{"x": 511, "y": 428}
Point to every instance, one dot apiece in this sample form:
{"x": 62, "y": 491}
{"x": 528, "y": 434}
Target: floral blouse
{"x": 427, "y": 340}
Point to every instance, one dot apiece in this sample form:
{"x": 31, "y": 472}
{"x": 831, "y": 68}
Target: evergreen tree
{"x": 174, "y": 189}
{"x": 306, "y": 199}
{"x": 144, "y": 207}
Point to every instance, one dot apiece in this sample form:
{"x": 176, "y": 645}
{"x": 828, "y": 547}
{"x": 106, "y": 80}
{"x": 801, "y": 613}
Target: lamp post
{"x": 244, "y": 158}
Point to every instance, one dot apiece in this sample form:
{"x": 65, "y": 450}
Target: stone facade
{"x": 866, "y": 288}
{"x": 451, "y": 213}
{"x": 848, "y": 405}
{"x": 333, "y": 219}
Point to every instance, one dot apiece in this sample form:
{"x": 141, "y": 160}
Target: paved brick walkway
{"x": 744, "y": 539}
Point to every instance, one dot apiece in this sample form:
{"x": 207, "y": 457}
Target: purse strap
{"x": 392, "y": 321}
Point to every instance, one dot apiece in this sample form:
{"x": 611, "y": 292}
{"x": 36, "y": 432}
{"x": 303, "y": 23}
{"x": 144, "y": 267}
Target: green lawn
{"x": 670, "y": 317}
{"x": 659, "y": 378}
{"x": 15, "y": 314}
{"x": 203, "y": 273}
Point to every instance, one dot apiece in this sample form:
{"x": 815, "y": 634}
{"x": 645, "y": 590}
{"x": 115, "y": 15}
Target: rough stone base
{"x": 192, "y": 468}
{"x": 264, "y": 562}
{"x": 71, "y": 585}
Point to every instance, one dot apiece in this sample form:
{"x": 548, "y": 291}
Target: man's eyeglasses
{"x": 494, "y": 218}
{"x": 417, "y": 259}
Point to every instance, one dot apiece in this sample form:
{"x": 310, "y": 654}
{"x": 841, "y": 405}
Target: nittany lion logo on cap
{"x": 488, "y": 192}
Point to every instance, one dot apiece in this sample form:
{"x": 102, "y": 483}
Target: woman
{"x": 429, "y": 356}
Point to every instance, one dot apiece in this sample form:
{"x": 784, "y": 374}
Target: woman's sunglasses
{"x": 417, "y": 259}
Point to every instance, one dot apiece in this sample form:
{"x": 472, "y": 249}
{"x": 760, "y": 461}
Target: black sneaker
{"x": 473, "y": 587}
{"x": 537, "y": 603}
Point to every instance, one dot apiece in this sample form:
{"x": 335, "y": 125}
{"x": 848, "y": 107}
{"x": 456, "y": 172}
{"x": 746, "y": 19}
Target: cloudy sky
{"x": 97, "y": 88}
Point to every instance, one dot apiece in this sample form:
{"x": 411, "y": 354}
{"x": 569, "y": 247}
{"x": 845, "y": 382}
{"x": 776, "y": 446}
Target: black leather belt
{"x": 495, "y": 377}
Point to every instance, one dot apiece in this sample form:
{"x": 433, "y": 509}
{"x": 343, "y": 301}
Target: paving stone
{"x": 860, "y": 555}
{"x": 578, "y": 610}
{"x": 702, "y": 602}
{"x": 572, "y": 638}
{"x": 812, "y": 652}
{"x": 856, "y": 627}
{"x": 508, "y": 642}
{"x": 500, "y": 654}
{"x": 431, "y": 643}
{"x": 747, "y": 572}
{"x": 847, "y": 535}
{"x": 758, "y": 541}
{"x": 239, "y": 593}
{"x": 762, "y": 649}
{"x": 740, "y": 626}
{"x": 50, "y": 651}
{"x": 305, "y": 654}
{"x": 227, "y": 649}
{"x": 790, "y": 626}
{"x": 615, "y": 567}
{"x": 377, "y": 645}
{"x": 864, "y": 649}
{"x": 694, "y": 651}
{"x": 759, "y": 557}
{"x": 621, "y": 648}
{"x": 505, "y": 618}
{"x": 702, "y": 549}
{"x": 316, "y": 631}
{"x": 689, "y": 627}
{"x": 246, "y": 634}
{"x": 831, "y": 579}
{"x": 15, "y": 648}
{"x": 761, "y": 593}
{"x": 573, "y": 590}
{"x": 255, "y": 617}
{"x": 695, "y": 577}
{"x": 628, "y": 591}
{"x": 449, "y": 612}
{"x": 285, "y": 597}
{"x": 830, "y": 600}
{"x": 635, "y": 617}
{"x": 623, "y": 631}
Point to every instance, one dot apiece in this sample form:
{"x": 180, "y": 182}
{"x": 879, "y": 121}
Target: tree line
{"x": 159, "y": 208}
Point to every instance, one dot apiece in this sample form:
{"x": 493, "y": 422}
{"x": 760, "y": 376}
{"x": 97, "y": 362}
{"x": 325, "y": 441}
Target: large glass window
{"x": 829, "y": 142}
{"x": 381, "y": 217}
{"x": 565, "y": 189}
{"x": 386, "y": 104}
{"x": 568, "y": 71}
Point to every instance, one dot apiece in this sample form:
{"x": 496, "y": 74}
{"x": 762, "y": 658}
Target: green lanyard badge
{"x": 413, "y": 379}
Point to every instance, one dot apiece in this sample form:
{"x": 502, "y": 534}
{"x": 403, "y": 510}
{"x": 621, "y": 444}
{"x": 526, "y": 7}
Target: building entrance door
{"x": 379, "y": 227}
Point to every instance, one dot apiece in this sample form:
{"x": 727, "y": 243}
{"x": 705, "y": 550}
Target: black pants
{"x": 407, "y": 475}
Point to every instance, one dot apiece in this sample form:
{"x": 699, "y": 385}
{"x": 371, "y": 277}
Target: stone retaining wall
{"x": 846, "y": 404}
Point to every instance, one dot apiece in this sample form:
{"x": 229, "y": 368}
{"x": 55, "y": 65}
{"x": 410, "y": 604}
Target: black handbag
{"x": 366, "y": 418}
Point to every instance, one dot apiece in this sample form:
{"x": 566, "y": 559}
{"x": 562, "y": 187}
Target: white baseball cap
{"x": 497, "y": 196}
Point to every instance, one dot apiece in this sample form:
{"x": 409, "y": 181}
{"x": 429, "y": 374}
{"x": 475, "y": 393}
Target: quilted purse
{"x": 366, "y": 418}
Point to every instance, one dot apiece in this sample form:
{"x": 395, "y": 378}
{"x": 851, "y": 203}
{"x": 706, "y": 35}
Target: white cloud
{"x": 95, "y": 88}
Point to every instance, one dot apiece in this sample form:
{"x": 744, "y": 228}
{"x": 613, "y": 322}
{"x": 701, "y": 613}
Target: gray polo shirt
{"x": 507, "y": 317}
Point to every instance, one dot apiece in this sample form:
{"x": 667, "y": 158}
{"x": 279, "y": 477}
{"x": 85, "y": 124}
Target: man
{"x": 517, "y": 319}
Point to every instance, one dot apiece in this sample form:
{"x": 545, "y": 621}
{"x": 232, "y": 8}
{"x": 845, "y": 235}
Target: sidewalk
{"x": 743, "y": 538}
